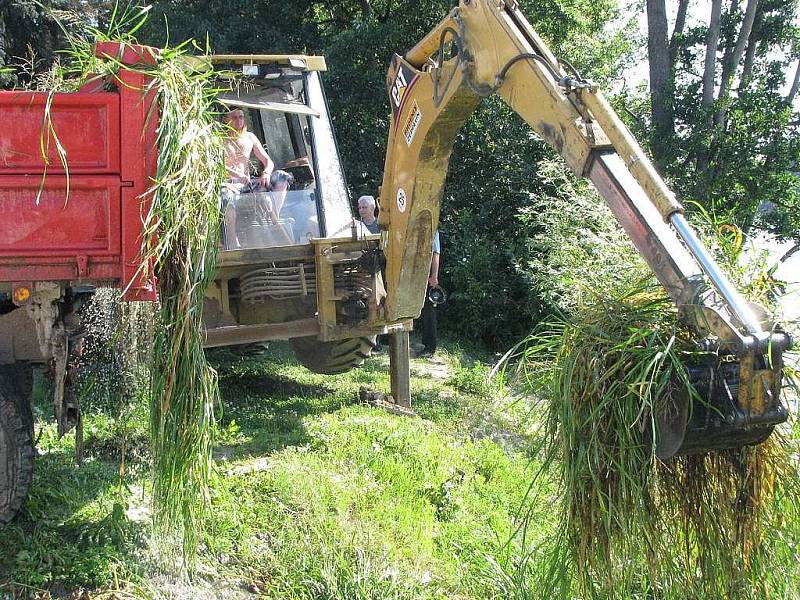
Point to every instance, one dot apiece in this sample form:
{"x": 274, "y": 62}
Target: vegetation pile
{"x": 717, "y": 524}
{"x": 704, "y": 525}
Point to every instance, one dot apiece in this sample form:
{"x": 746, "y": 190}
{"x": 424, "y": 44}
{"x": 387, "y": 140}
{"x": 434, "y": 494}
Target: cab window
{"x": 290, "y": 119}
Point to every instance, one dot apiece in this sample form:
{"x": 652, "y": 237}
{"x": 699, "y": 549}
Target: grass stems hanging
{"x": 181, "y": 233}
{"x": 707, "y": 525}
{"x": 183, "y": 229}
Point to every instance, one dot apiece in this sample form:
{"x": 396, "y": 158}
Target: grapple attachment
{"x": 737, "y": 403}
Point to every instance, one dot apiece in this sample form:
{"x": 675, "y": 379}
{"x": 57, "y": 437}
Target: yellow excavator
{"x": 487, "y": 47}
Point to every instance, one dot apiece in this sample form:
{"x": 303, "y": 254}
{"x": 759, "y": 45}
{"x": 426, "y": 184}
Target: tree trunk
{"x": 752, "y": 46}
{"x": 366, "y": 10}
{"x": 712, "y": 42}
{"x": 795, "y": 85}
{"x": 747, "y": 69}
{"x": 2, "y": 40}
{"x": 730, "y": 65}
{"x": 680, "y": 23}
{"x": 661, "y": 79}
{"x": 727, "y": 43}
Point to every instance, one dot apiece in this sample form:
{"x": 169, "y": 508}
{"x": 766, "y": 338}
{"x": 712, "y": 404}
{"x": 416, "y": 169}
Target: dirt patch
{"x": 435, "y": 367}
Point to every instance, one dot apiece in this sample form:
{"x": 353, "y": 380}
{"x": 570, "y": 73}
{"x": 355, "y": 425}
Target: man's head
{"x": 366, "y": 208}
{"x": 280, "y": 181}
{"x": 235, "y": 118}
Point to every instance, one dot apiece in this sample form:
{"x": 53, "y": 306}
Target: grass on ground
{"x": 314, "y": 494}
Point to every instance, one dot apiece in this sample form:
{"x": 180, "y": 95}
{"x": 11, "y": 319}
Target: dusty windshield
{"x": 277, "y": 146}
{"x": 264, "y": 219}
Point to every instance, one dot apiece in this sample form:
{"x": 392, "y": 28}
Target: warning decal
{"x": 401, "y": 200}
{"x": 412, "y": 123}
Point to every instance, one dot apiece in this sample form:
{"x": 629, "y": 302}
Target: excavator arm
{"x": 486, "y": 47}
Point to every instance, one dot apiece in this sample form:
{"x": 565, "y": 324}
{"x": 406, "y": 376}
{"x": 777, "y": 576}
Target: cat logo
{"x": 399, "y": 87}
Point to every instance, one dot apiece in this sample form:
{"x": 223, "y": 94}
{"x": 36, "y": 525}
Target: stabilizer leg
{"x": 399, "y": 368}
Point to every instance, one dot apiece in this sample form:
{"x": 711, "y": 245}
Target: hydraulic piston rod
{"x": 671, "y": 211}
{"x": 719, "y": 280}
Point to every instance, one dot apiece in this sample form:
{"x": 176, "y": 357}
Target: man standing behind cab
{"x": 366, "y": 210}
{"x": 428, "y": 314}
{"x": 238, "y": 147}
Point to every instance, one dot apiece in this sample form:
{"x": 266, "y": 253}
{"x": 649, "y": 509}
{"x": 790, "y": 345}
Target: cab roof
{"x": 299, "y": 62}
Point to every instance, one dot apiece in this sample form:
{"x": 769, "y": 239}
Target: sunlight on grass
{"x": 313, "y": 494}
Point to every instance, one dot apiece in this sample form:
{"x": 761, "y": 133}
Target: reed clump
{"x": 710, "y": 525}
{"x": 718, "y": 524}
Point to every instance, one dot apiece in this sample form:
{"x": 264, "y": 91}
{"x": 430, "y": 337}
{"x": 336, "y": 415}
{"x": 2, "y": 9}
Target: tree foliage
{"x": 723, "y": 127}
{"x": 32, "y": 32}
{"x": 236, "y": 26}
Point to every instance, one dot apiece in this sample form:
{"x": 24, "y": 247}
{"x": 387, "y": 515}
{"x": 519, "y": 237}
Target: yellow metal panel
{"x": 310, "y": 63}
{"x": 431, "y": 98}
{"x": 326, "y": 305}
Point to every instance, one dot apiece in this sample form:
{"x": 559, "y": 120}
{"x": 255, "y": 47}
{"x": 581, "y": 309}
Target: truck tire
{"x": 16, "y": 444}
{"x": 331, "y": 358}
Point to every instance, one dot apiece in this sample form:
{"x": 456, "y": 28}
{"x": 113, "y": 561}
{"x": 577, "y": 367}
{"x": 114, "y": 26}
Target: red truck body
{"x": 82, "y": 222}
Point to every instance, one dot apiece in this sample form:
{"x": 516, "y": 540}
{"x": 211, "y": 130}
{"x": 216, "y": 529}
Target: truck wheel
{"x": 330, "y": 358}
{"x": 16, "y": 447}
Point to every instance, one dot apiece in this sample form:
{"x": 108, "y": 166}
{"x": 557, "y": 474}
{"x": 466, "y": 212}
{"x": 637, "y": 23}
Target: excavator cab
{"x": 293, "y": 265}
{"x": 284, "y": 105}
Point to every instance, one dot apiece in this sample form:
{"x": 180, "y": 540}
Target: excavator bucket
{"x": 736, "y": 396}
{"x": 733, "y": 403}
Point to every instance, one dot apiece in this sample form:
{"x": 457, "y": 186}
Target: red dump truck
{"x": 71, "y": 201}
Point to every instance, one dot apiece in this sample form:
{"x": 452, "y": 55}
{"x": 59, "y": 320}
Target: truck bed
{"x": 76, "y": 214}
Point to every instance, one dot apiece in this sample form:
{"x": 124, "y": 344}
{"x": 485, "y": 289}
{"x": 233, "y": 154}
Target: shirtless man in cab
{"x": 240, "y": 144}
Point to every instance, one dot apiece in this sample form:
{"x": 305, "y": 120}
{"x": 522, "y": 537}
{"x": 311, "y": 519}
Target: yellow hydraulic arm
{"x": 486, "y": 47}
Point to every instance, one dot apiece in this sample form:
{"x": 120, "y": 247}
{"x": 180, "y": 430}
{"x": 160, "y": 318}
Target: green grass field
{"x": 315, "y": 495}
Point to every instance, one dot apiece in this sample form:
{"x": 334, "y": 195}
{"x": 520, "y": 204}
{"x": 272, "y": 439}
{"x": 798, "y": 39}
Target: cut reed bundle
{"x": 181, "y": 234}
{"x": 711, "y": 525}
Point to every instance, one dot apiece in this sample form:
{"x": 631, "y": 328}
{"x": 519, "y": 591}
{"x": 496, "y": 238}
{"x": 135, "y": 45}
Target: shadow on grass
{"x": 73, "y": 528}
{"x": 268, "y": 410}
{"x": 268, "y": 384}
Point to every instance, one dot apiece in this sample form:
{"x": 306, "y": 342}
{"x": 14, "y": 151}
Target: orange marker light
{"x": 21, "y": 295}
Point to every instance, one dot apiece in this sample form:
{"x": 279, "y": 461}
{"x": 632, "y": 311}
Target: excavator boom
{"x": 486, "y": 47}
